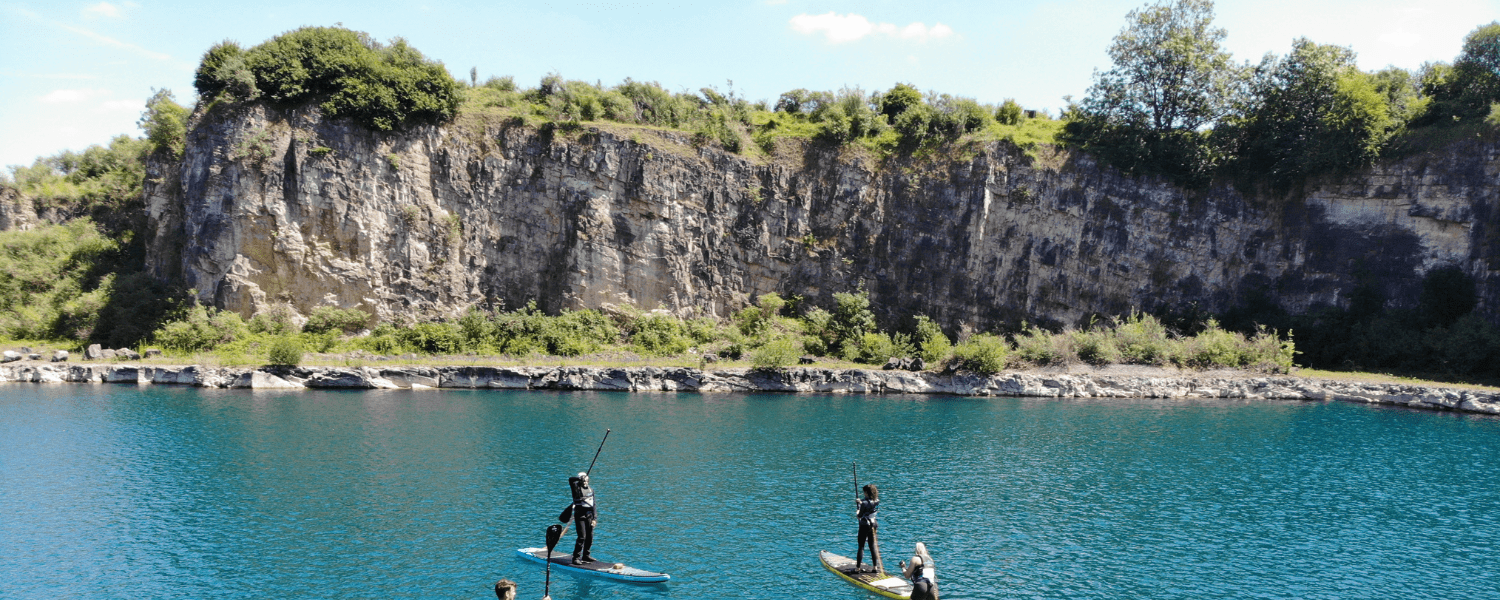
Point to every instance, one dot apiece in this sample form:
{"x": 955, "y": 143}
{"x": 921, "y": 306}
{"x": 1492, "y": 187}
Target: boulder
{"x": 107, "y": 354}
{"x": 10, "y": 356}
{"x": 710, "y": 358}
{"x": 59, "y": 356}
{"x": 807, "y": 359}
{"x": 904, "y": 364}
{"x": 153, "y": 352}
{"x": 93, "y": 352}
{"x": 127, "y": 354}
{"x": 35, "y": 356}
{"x": 26, "y": 350}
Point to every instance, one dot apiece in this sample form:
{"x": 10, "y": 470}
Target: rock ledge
{"x": 796, "y": 380}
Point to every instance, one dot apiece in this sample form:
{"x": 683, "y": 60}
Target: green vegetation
{"x": 1440, "y": 337}
{"x": 899, "y": 120}
{"x": 773, "y": 333}
{"x": 349, "y": 74}
{"x": 83, "y": 281}
{"x": 99, "y": 177}
{"x": 165, "y": 124}
{"x": 1175, "y": 104}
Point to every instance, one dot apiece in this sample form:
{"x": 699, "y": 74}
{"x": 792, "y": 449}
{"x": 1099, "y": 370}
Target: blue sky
{"x": 77, "y": 73}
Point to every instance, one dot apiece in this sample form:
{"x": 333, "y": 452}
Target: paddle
{"x": 554, "y": 533}
{"x": 596, "y": 453}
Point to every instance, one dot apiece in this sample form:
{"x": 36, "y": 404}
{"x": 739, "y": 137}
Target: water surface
{"x": 162, "y": 492}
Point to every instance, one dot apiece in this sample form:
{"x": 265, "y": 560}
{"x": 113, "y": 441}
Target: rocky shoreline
{"x": 793, "y": 380}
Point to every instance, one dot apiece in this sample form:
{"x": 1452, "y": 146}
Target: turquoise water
{"x": 160, "y": 492}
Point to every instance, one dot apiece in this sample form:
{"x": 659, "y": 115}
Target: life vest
{"x": 584, "y": 498}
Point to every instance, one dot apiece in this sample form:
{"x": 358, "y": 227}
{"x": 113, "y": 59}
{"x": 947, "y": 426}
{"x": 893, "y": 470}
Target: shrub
{"x": 284, "y": 351}
{"x": 1009, "y": 113}
{"x": 659, "y": 334}
{"x": 382, "y": 87}
{"x": 326, "y": 319}
{"x": 983, "y": 353}
{"x": 874, "y": 348}
{"x": 776, "y": 354}
{"x": 849, "y": 321}
{"x": 1142, "y": 339}
{"x": 276, "y": 321}
{"x": 431, "y": 338}
{"x": 1213, "y": 347}
{"x": 201, "y": 329}
{"x": 1096, "y": 347}
{"x": 1043, "y": 348}
{"x": 932, "y": 344}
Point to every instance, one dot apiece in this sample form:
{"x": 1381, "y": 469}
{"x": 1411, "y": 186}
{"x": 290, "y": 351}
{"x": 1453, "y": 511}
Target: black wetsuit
{"x": 867, "y": 529}
{"x": 583, "y": 520}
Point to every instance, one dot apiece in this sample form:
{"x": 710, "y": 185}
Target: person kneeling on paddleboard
{"x": 922, "y": 573}
{"x": 582, "y": 511}
{"x": 868, "y": 527}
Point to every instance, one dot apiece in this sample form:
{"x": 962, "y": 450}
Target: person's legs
{"x": 586, "y": 538}
{"x": 866, "y": 534}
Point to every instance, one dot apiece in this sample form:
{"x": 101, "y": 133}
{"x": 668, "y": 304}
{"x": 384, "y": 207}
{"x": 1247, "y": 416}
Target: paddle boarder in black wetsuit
{"x": 585, "y": 516}
{"x": 867, "y": 527}
{"x": 922, "y": 573}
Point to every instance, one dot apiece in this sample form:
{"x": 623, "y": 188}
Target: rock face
{"x": 288, "y": 208}
{"x": 857, "y": 381}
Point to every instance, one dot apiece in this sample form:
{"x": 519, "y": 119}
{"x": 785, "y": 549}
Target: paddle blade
{"x": 554, "y": 533}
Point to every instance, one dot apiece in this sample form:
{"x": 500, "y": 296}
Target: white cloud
{"x": 838, "y": 29}
{"x": 71, "y": 96}
{"x": 103, "y": 9}
{"x": 109, "y": 41}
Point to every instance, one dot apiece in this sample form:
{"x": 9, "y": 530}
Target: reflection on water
{"x": 126, "y": 492}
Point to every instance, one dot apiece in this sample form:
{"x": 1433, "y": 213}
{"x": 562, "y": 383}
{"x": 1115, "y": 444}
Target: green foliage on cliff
{"x": 98, "y": 176}
{"x": 1175, "y": 104}
{"x": 1439, "y": 337}
{"x": 900, "y": 120}
{"x": 349, "y": 74}
{"x": 165, "y": 124}
{"x": 1311, "y": 112}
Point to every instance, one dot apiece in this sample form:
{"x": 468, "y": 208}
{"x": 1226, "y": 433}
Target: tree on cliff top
{"x": 1465, "y": 90}
{"x": 383, "y": 87}
{"x": 1311, "y": 111}
{"x": 1171, "y": 80}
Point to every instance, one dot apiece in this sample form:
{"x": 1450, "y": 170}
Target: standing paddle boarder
{"x": 585, "y": 517}
{"x": 583, "y": 510}
{"x": 867, "y": 523}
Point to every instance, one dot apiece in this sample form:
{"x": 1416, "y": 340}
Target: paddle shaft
{"x": 856, "y": 481}
{"x": 596, "y": 453}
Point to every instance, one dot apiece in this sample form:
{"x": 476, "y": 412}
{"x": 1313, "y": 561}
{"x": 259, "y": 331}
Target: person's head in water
{"x": 871, "y": 492}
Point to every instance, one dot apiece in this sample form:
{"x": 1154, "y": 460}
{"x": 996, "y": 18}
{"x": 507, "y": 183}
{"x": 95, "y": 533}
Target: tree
{"x": 1311, "y": 112}
{"x": 1464, "y": 90}
{"x": 901, "y": 98}
{"x": 165, "y": 124}
{"x": 1171, "y": 80}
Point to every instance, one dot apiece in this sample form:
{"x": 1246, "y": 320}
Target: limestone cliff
{"x": 289, "y": 208}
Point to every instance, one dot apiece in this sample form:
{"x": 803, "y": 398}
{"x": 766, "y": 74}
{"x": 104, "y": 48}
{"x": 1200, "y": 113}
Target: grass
{"x": 1424, "y": 380}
